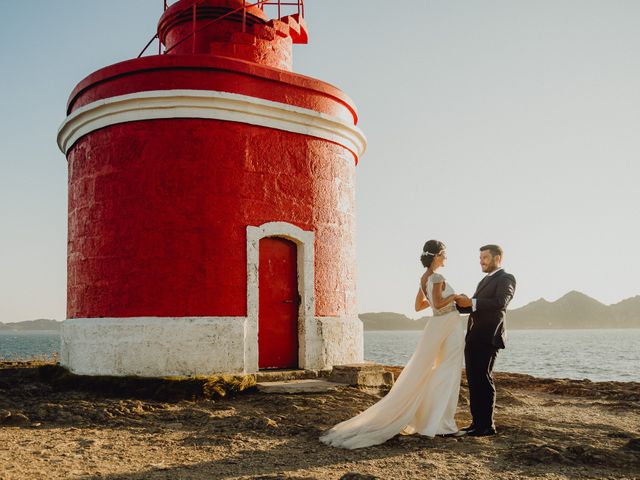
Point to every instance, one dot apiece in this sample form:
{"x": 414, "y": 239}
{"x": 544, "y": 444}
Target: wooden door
{"x": 278, "y": 305}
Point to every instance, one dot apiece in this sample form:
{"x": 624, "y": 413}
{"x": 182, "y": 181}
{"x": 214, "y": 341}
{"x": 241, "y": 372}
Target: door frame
{"x": 304, "y": 241}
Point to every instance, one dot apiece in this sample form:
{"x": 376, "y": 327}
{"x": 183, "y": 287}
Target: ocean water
{"x": 24, "y": 345}
{"x": 598, "y": 355}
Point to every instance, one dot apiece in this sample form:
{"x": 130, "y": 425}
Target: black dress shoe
{"x": 470, "y": 427}
{"x": 482, "y": 432}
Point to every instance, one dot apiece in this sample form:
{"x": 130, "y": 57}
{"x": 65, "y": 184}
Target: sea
{"x": 596, "y": 355}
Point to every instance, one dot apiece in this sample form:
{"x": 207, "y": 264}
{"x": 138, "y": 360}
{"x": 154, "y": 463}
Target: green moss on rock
{"x": 162, "y": 388}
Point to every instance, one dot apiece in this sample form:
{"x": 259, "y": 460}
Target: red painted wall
{"x": 204, "y": 72}
{"x": 158, "y": 211}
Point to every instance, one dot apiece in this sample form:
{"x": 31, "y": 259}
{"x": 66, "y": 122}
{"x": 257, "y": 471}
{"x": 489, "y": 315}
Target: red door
{"x": 278, "y": 308}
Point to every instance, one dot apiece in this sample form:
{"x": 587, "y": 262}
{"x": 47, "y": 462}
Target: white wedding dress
{"x": 424, "y": 397}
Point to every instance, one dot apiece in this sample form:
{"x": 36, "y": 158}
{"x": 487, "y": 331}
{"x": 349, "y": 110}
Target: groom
{"x": 485, "y": 336}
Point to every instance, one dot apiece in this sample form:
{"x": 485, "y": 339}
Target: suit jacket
{"x": 487, "y": 324}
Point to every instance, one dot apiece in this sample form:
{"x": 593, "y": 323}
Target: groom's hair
{"x": 494, "y": 249}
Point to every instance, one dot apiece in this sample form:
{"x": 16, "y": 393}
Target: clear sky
{"x": 496, "y": 121}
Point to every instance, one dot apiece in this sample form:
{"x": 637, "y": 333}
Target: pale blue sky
{"x": 515, "y": 122}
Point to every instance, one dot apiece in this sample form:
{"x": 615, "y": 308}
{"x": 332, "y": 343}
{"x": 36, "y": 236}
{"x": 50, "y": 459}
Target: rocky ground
{"x": 551, "y": 429}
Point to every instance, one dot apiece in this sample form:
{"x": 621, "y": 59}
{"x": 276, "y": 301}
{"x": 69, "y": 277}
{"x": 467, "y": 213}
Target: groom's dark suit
{"x": 485, "y": 336}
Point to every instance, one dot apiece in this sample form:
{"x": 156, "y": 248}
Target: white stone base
{"x": 152, "y": 346}
{"x": 157, "y": 347}
{"x": 342, "y": 341}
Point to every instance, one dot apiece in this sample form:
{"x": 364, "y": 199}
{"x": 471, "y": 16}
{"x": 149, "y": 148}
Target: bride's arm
{"x": 421, "y": 301}
{"x": 438, "y": 301}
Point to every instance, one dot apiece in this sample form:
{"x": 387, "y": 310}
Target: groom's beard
{"x": 492, "y": 267}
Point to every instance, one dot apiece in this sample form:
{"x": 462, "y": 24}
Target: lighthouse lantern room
{"x": 211, "y": 203}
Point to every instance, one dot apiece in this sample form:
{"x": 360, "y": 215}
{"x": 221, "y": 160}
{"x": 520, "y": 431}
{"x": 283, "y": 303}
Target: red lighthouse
{"x": 211, "y": 204}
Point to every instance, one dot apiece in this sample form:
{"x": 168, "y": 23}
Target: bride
{"x": 424, "y": 397}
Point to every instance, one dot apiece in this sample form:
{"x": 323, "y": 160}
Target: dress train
{"x": 424, "y": 397}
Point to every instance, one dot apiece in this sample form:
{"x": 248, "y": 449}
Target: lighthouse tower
{"x": 211, "y": 204}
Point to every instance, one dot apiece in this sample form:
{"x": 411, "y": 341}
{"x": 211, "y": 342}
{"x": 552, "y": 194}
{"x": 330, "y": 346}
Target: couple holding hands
{"x": 424, "y": 398}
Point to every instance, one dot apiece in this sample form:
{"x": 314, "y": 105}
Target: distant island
{"x": 41, "y": 324}
{"x": 575, "y": 310}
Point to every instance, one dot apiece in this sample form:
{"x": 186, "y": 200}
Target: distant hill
{"x": 575, "y": 310}
{"x": 391, "y": 321}
{"x": 31, "y": 325}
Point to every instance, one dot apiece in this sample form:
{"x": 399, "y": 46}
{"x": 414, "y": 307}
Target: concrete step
{"x": 362, "y": 375}
{"x": 281, "y": 28}
{"x": 283, "y": 375}
{"x": 297, "y": 28}
{"x": 264, "y": 31}
{"x": 299, "y": 386}
{"x": 243, "y": 38}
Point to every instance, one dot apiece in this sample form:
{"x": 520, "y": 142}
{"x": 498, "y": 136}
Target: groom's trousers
{"x": 479, "y": 360}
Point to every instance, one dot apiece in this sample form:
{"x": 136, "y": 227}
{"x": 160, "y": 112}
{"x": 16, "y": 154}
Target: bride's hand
{"x": 462, "y": 300}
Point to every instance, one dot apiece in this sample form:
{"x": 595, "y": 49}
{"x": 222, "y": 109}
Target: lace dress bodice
{"x": 448, "y": 290}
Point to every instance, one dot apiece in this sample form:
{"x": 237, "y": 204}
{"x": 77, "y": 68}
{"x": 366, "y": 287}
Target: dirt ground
{"x": 551, "y": 429}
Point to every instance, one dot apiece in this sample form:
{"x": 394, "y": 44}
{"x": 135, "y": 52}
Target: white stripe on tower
{"x": 232, "y": 107}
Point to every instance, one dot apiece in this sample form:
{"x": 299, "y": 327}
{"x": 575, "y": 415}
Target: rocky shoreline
{"x": 548, "y": 428}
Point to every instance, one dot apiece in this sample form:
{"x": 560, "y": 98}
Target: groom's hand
{"x": 463, "y": 301}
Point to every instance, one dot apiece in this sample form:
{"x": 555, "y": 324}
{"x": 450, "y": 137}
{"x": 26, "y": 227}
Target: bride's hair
{"x": 429, "y": 251}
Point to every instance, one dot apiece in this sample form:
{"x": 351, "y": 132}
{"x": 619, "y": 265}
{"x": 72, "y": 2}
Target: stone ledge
{"x": 367, "y": 375}
{"x": 283, "y": 375}
{"x": 299, "y": 386}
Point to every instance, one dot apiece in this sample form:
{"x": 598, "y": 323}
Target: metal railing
{"x": 279, "y": 4}
{"x": 261, "y": 4}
